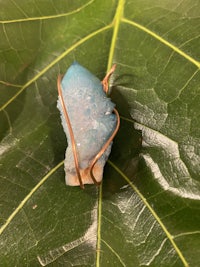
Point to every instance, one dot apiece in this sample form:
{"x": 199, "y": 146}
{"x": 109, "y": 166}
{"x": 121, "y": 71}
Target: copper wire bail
{"x": 74, "y": 148}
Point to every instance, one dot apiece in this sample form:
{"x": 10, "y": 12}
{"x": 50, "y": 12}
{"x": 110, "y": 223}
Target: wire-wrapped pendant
{"x": 89, "y": 123}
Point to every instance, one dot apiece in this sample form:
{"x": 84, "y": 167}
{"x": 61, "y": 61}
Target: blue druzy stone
{"x": 92, "y": 120}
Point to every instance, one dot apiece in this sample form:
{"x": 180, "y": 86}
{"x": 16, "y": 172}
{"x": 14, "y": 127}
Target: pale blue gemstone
{"x": 91, "y": 117}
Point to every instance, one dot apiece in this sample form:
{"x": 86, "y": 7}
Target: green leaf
{"x": 146, "y": 213}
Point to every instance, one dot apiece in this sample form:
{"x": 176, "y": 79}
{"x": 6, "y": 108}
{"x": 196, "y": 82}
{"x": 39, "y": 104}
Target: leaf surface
{"x": 146, "y": 213}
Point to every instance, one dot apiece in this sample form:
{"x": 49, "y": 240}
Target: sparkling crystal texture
{"x": 92, "y": 120}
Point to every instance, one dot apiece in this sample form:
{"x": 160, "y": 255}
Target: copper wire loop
{"x": 74, "y": 148}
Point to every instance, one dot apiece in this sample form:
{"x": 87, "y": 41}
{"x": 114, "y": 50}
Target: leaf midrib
{"x": 116, "y": 23}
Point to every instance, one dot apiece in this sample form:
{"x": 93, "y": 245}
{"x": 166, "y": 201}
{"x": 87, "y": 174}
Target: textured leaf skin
{"x": 147, "y": 212}
{"x": 91, "y": 118}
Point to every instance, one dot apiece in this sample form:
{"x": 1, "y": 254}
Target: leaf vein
{"x": 169, "y": 236}
{"x": 187, "y": 233}
{"x": 114, "y": 252}
{"x": 40, "y": 73}
{"x": 162, "y": 40}
{"x": 24, "y": 201}
{"x": 157, "y": 252}
{"x": 47, "y": 17}
{"x": 10, "y": 84}
{"x": 186, "y": 84}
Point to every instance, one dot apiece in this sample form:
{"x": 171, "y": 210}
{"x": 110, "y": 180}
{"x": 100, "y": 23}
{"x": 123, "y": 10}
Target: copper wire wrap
{"x": 106, "y": 145}
{"x": 74, "y": 148}
{"x": 75, "y": 154}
